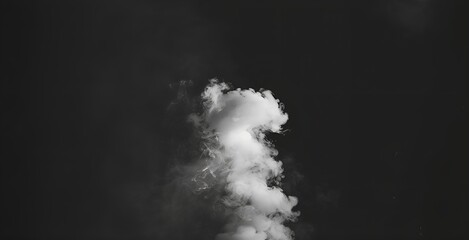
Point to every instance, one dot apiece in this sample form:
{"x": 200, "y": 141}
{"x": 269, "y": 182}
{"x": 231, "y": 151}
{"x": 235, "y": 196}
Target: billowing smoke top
{"x": 243, "y": 162}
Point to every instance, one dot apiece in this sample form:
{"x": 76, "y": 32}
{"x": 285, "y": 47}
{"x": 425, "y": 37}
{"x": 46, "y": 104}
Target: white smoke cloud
{"x": 241, "y": 160}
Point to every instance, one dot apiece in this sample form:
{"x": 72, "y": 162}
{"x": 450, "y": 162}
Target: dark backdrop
{"x": 376, "y": 92}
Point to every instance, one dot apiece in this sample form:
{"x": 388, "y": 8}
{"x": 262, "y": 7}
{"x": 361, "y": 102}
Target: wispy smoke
{"x": 239, "y": 161}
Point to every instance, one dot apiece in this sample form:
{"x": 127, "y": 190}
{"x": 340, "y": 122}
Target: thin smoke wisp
{"x": 240, "y": 161}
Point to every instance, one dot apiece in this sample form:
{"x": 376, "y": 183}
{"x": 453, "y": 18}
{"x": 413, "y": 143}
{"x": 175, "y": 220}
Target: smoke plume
{"x": 239, "y": 162}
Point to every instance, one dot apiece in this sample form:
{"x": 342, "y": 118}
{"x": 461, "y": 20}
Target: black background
{"x": 376, "y": 91}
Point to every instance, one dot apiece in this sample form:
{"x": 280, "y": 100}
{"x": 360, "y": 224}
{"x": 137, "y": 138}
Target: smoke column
{"x": 240, "y": 161}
